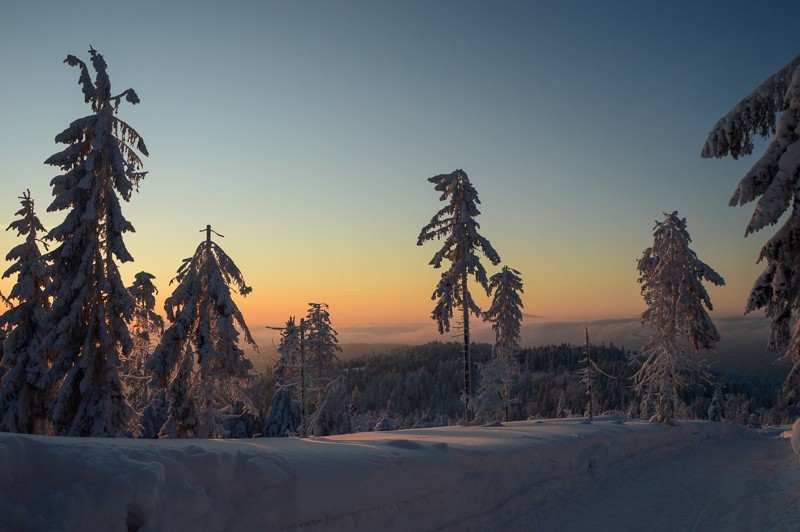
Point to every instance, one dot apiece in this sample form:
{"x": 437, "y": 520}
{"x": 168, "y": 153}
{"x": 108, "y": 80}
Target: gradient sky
{"x": 305, "y": 131}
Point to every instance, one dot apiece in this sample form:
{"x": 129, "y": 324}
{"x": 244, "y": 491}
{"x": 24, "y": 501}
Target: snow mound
{"x": 441, "y": 478}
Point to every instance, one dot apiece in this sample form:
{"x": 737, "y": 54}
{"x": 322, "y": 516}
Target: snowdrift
{"x": 492, "y": 477}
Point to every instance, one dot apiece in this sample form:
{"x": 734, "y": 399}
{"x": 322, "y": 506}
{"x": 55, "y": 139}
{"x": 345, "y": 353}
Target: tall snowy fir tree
{"x": 772, "y": 108}
{"x": 505, "y": 315}
{"x": 147, "y": 326}
{"x": 672, "y": 278}
{"x": 321, "y": 344}
{"x": 285, "y": 416}
{"x": 24, "y": 365}
{"x": 331, "y": 415}
{"x": 198, "y": 360}
{"x": 88, "y": 332}
{"x": 455, "y": 224}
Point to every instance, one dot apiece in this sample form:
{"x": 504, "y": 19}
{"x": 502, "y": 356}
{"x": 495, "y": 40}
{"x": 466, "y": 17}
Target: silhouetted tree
{"x": 23, "y": 399}
{"x": 198, "y": 360}
{"x": 87, "y": 325}
{"x": 147, "y": 327}
{"x": 505, "y": 315}
{"x": 455, "y": 224}
{"x": 285, "y": 416}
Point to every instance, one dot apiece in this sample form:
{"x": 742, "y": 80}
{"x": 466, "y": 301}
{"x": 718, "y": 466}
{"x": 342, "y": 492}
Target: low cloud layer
{"x": 742, "y": 347}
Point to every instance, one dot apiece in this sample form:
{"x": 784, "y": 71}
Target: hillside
{"x": 551, "y": 475}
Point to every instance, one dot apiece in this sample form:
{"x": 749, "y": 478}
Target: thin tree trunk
{"x": 467, "y": 361}
{"x": 302, "y": 379}
{"x": 589, "y": 383}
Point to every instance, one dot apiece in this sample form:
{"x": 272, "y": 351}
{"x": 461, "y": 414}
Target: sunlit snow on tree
{"x": 146, "y": 327}
{"x": 500, "y": 374}
{"x": 285, "y": 416}
{"x": 88, "y": 330}
{"x": 198, "y": 360}
{"x": 672, "y": 278}
{"x": 772, "y": 108}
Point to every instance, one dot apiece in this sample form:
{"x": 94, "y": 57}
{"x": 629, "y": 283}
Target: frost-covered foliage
{"x": 286, "y": 415}
{"x": 326, "y": 379}
{"x": 772, "y": 108}
{"x": 147, "y": 326}
{"x": 499, "y": 376}
{"x": 321, "y": 345}
{"x": 198, "y": 359}
{"x": 505, "y": 312}
{"x": 588, "y": 375}
{"x": 455, "y": 224}
{"x": 672, "y": 278}
{"x": 88, "y": 331}
{"x": 284, "y": 418}
{"x": 716, "y": 411}
{"x": 489, "y": 402}
{"x": 24, "y": 365}
{"x": 332, "y": 416}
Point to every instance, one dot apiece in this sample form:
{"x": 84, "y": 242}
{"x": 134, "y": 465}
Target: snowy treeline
{"x": 419, "y": 386}
{"x": 78, "y": 345}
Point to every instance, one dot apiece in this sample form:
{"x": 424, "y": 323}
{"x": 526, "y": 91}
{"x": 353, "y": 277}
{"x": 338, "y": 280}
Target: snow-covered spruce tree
{"x": 332, "y": 416}
{"x": 672, "y": 278}
{"x": 772, "y": 108}
{"x": 198, "y": 359}
{"x": 321, "y": 344}
{"x": 489, "y": 404}
{"x": 87, "y": 324}
{"x": 24, "y": 365}
{"x": 285, "y": 415}
{"x": 561, "y": 408}
{"x": 455, "y": 224}
{"x": 716, "y": 411}
{"x": 147, "y": 326}
{"x": 505, "y": 315}
{"x": 327, "y": 380}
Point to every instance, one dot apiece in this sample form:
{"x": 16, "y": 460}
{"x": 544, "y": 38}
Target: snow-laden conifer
{"x": 672, "y": 278}
{"x": 772, "y": 108}
{"x": 489, "y": 402}
{"x": 326, "y": 379}
{"x": 147, "y": 326}
{"x": 285, "y": 415}
{"x": 24, "y": 365}
{"x": 505, "y": 315}
{"x": 455, "y": 224}
{"x": 198, "y": 359}
{"x": 332, "y": 416}
{"x": 716, "y": 411}
{"x": 88, "y": 330}
{"x": 505, "y": 312}
{"x": 321, "y": 344}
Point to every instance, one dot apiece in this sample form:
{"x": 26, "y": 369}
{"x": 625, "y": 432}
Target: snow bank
{"x": 440, "y": 478}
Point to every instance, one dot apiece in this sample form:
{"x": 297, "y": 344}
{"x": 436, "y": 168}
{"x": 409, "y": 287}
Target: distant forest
{"x": 421, "y": 386}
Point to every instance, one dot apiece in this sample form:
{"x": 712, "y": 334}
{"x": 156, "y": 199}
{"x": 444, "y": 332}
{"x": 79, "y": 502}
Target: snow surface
{"x": 532, "y": 475}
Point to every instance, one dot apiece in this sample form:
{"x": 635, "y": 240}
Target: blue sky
{"x": 305, "y": 131}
